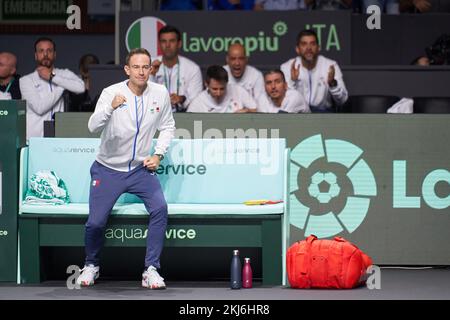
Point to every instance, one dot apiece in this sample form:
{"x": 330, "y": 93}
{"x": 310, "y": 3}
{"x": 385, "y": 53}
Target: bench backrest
{"x": 194, "y": 171}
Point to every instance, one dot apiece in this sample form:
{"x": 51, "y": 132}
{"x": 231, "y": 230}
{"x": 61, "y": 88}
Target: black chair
{"x": 431, "y": 105}
{"x": 80, "y": 102}
{"x": 49, "y": 128}
{"x": 368, "y": 104}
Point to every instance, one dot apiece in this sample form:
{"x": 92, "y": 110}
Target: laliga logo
{"x": 324, "y": 186}
{"x": 401, "y": 200}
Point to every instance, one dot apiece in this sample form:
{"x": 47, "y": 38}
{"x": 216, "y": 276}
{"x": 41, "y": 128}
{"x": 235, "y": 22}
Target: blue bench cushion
{"x": 203, "y": 176}
{"x": 176, "y": 208}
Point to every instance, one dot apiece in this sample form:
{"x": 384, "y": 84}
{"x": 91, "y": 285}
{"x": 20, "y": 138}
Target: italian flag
{"x": 143, "y": 33}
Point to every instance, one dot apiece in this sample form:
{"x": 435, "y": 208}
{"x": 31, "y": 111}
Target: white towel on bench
{"x": 46, "y": 188}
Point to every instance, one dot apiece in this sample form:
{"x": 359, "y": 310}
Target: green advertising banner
{"x": 12, "y": 138}
{"x": 34, "y": 11}
{"x": 135, "y": 235}
{"x": 380, "y": 181}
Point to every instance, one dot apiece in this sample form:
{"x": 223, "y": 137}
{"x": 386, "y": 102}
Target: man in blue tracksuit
{"x": 128, "y": 114}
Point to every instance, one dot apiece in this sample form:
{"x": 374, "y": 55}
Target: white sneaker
{"x": 88, "y": 275}
{"x": 152, "y": 280}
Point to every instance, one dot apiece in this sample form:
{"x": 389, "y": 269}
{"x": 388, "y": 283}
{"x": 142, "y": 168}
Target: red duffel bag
{"x": 337, "y": 263}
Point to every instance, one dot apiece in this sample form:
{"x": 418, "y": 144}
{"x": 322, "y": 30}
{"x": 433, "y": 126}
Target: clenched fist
{"x": 118, "y": 101}
{"x": 151, "y": 163}
{"x": 44, "y": 72}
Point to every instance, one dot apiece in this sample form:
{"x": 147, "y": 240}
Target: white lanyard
{"x": 168, "y": 78}
{"x": 6, "y": 95}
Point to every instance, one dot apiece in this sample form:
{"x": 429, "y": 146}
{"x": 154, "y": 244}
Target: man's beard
{"x": 275, "y": 95}
{"x": 216, "y": 99}
{"x": 45, "y": 63}
{"x": 312, "y": 59}
{"x": 171, "y": 55}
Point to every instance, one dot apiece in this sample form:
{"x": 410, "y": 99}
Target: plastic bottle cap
{"x": 236, "y": 252}
{"x": 247, "y": 259}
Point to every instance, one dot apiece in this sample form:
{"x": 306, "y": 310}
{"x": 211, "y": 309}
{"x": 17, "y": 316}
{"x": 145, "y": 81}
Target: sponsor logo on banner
{"x": 260, "y": 42}
{"x": 3, "y": 113}
{"x": 124, "y": 234}
{"x": 314, "y": 210}
{"x": 74, "y": 150}
{"x": 433, "y": 199}
{"x": 182, "y": 169}
{"x": 3, "y": 233}
{"x": 143, "y": 33}
{"x": 328, "y": 202}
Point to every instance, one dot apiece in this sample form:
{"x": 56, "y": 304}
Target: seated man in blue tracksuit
{"x": 128, "y": 114}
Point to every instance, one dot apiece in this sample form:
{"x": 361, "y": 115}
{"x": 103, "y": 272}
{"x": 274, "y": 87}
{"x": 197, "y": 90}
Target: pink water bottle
{"x": 247, "y": 274}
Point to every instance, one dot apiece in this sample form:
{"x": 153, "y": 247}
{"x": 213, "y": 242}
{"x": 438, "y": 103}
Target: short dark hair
{"x": 277, "y": 71}
{"x": 136, "y": 51}
{"x": 86, "y": 60}
{"x": 41, "y": 39}
{"x": 169, "y": 29}
{"x": 217, "y": 73}
{"x": 307, "y": 32}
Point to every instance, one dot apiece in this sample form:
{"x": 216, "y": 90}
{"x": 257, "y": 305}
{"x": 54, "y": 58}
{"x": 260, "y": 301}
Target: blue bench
{"x": 204, "y": 181}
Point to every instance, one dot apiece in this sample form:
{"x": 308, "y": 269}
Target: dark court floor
{"x": 395, "y": 284}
